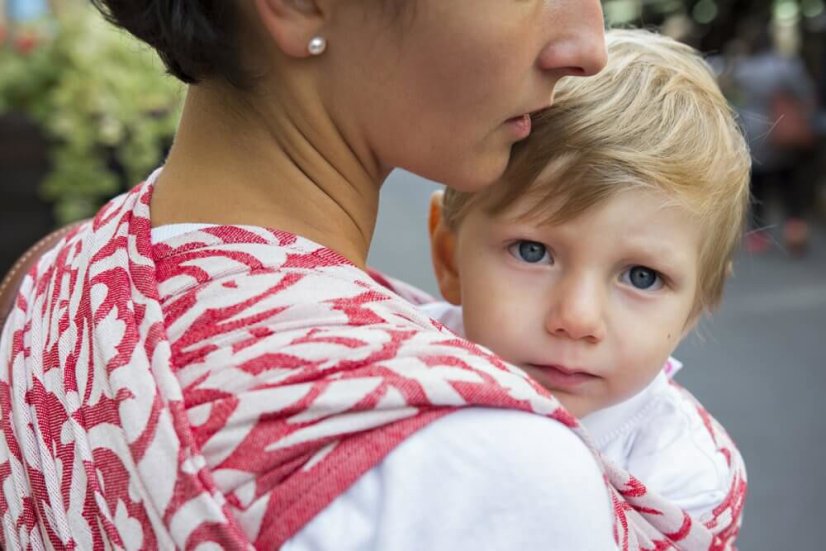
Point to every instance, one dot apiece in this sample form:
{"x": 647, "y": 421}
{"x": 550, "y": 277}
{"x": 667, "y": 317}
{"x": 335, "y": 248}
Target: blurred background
{"x": 85, "y": 112}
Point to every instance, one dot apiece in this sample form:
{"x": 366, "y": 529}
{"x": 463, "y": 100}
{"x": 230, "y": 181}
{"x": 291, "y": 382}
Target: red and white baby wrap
{"x": 226, "y": 385}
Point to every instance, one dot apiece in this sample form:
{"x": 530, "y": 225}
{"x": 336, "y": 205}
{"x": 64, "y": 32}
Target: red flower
{"x": 26, "y": 42}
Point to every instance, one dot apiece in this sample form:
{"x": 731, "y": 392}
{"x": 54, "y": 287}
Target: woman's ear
{"x": 292, "y": 23}
{"x": 443, "y": 252}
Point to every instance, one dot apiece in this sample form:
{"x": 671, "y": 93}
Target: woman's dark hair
{"x": 195, "y": 39}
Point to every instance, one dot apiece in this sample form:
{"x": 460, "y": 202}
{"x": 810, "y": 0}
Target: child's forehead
{"x": 532, "y": 209}
{"x": 538, "y": 207}
{"x": 541, "y": 205}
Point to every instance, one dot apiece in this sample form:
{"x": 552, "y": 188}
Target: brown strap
{"x": 14, "y": 277}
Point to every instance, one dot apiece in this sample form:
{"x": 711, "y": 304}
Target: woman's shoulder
{"x": 476, "y": 479}
{"x": 285, "y": 284}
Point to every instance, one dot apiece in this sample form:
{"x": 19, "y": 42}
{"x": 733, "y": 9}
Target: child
{"x": 611, "y": 233}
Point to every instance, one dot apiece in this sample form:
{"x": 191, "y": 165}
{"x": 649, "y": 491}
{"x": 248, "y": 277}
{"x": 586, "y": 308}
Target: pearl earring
{"x": 317, "y": 45}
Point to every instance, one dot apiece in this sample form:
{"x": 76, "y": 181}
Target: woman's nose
{"x": 577, "y": 313}
{"x": 577, "y": 43}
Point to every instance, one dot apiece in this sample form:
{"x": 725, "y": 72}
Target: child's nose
{"x": 577, "y": 313}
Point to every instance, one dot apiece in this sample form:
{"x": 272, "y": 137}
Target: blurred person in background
{"x": 775, "y": 97}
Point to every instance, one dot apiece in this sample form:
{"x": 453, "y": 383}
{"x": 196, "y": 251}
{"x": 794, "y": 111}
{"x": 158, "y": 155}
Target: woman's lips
{"x": 520, "y": 126}
{"x": 559, "y": 377}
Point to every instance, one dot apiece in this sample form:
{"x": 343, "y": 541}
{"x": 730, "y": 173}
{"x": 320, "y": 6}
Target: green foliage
{"x": 100, "y": 96}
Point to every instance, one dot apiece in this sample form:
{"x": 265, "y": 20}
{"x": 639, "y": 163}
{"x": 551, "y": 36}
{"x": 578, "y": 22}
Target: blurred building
{"x": 23, "y": 10}
{"x": 710, "y": 25}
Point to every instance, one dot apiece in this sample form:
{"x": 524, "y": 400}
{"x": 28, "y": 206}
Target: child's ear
{"x": 443, "y": 252}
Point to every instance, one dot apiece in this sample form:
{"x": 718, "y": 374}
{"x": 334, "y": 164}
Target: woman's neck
{"x": 274, "y": 167}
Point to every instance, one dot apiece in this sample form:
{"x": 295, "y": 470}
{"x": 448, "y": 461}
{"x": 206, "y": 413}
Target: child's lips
{"x": 559, "y": 377}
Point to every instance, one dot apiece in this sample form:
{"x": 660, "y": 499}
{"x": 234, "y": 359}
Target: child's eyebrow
{"x": 661, "y": 251}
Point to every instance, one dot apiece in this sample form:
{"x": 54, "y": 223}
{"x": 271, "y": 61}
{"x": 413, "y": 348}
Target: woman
{"x": 213, "y": 382}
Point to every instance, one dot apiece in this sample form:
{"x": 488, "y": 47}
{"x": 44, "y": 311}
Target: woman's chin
{"x": 464, "y": 173}
{"x": 480, "y": 175}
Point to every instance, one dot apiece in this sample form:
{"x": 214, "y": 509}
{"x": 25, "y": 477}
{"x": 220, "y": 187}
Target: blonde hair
{"x": 654, "y": 118}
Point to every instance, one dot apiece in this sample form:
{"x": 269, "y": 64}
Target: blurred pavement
{"x": 757, "y": 365}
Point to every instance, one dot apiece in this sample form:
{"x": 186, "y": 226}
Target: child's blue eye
{"x": 642, "y": 278}
{"x": 530, "y": 252}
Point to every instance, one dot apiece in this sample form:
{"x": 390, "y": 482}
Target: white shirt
{"x": 477, "y": 479}
{"x": 659, "y": 437}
